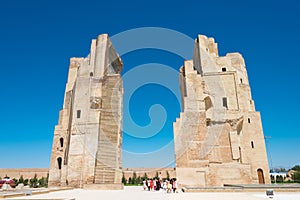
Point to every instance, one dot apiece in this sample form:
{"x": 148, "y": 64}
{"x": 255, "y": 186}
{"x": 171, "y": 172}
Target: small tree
{"x": 16, "y": 181}
{"x": 47, "y": 179}
{"x": 33, "y": 181}
{"x": 145, "y": 177}
{"x": 26, "y": 181}
{"x": 279, "y": 179}
{"x": 129, "y": 180}
{"x": 168, "y": 176}
{"x": 134, "y": 179}
{"x": 156, "y": 176}
{"x": 42, "y": 182}
{"x": 296, "y": 168}
{"x": 138, "y": 180}
{"x": 296, "y": 176}
{"x": 21, "y": 179}
{"x": 272, "y": 179}
{"x": 124, "y": 181}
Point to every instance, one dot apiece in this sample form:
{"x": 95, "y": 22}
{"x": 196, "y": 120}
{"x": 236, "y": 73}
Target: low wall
{"x": 27, "y": 173}
{"x": 128, "y": 172}
{"x": 151, "y": 172}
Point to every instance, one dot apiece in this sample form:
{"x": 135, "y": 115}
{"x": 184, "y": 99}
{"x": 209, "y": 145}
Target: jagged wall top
{"x": 206, "y": 57}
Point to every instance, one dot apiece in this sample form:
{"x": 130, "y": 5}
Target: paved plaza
{"x": 132, "y": 193}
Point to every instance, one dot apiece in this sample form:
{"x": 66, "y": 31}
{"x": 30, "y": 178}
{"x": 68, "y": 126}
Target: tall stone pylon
{"x": 218, "y": 138}
{"x": 87, "y": 143}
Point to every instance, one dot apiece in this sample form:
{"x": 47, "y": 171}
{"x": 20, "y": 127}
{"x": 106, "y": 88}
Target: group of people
{"x": 157, "y": 184}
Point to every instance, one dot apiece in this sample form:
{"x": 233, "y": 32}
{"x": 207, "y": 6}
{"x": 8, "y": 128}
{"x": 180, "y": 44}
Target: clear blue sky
{"x": 37, "y": 38}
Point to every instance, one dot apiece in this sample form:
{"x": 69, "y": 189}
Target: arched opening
{"x": 208, "y": 103}
{"x": 209, "y": 110}
{"x": 61, "y": 141}
{"x": 59, "y": 162}
{"x": 260, "y": 174}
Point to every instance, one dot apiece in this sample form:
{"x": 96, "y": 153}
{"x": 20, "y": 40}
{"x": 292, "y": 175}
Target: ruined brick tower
{"x": 218, "y": 137}
{"x": 87, "y": 142}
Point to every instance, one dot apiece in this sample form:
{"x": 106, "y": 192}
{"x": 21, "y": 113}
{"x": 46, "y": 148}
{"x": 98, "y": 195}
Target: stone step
{"x": 112, "y": 141}
{"x": 111, "y": 106}
{"x": 115, "y": 92}
{"x": 113, "y": 114}
{"x": 107, "y": 160}
{"x": 105, "y": 176}
{"x": 106, "y": 157}
{"x": 109, "y": 129}
{"x": 108, "y": 111}
{"x": 107, "y": 148}
{"x": 112, "y": 122}
{"x": 103, "y": 165}
{"x": 105, "y": 173}
{"x": 104, "y": 181}
{"x": 100, "y": 168}
{"x": 110, "y": 125}
{"x": 112, "y": 99}
{"x": 112, "y": 82}
{"x": 109, "y": 155}
{"x": 104, "y": 170}
{"x": 108, "y": 137}
{"x": 108, "y": 134}
{"x": 106, "y": 163}
{"x": 106, "y": 143}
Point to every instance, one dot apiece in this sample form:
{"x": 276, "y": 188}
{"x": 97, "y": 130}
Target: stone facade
{"x": 87, "y": 141}
{"x": 218, "y": 137}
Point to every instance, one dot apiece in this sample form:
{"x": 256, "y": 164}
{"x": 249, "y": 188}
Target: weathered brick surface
{"x": 218, "y": 124}
{"x": 88, "y": 136}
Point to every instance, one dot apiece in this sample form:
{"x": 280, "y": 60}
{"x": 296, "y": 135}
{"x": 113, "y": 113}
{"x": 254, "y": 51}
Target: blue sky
{"x": 37, "y": 38}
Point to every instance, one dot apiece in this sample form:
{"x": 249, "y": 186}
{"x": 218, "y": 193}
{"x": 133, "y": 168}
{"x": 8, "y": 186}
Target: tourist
{"x": 158, "y": 185}
{"x": 169, "y": 187}
{"x": 174, "y": 185}
{"x": 149, "y": 184}
{"x": 144, "y": 184}
{"x": 165, "y": 185}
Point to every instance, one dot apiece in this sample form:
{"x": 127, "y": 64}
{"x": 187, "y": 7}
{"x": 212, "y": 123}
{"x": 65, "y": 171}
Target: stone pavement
{"x": 132, "y": 193}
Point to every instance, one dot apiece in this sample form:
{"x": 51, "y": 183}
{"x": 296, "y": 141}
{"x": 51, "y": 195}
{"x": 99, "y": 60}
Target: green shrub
{"x": 43, "y": 182}
{"x": 296, "y": 176}
{"x": 33, "y": 181}
{"x": 124, "y": 181}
